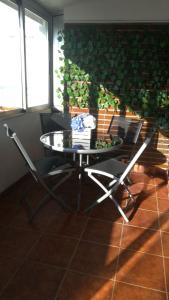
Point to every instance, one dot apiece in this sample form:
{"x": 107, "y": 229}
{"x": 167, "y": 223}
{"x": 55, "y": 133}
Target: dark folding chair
{"x": 42, "y": 169}
{"x": 128, "y": 130}
{"x": 117, "y": 172}
{"x": 55, "y": 121}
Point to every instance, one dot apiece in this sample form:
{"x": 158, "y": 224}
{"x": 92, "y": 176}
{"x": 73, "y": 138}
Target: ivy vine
{"x": 114, "y": 66}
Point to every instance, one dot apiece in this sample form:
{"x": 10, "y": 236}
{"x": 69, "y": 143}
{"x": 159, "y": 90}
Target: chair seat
{"x": 107, "y": 166}
{"x": 48, "y": 165}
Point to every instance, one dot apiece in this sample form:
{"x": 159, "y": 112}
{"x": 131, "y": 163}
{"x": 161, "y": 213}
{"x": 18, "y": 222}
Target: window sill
{"x": 18, "y": 113}
{"x": 11, "y": 114}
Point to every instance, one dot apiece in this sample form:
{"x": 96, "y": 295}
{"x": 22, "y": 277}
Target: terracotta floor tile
{"x": 145, "y": 218}
{"x": 146, "y": 201}
{"x": 16, "y": 242}
{"x": 162, "y": 191}
{"x": 145, "y": 198}
{"x": 85, "y": 287}
{"x": 34, "y": 281}
{"x": 21, "y": 221}
{"x": 8, "y": 211}
{"x": 139, "y": 239}
{"x": 151, "y": 189}
{"x": 54, "y": 250}
{"x": 142, "y": 178}
{"x": 103, "y": 232}
{"x": 160, "y": 178}
{"x": 163, "y": 205}
{"x": 6, "y": 217}
{"x": 95, "y": 259}
{"x": 164, "y": 221}
{"x": 135, "y": 293}
{"x": 49, "y": 210}
{"x": 106, "y": 211}
{"x": 138, "y": 187}
{"x": 141, "y": 269}
{"x": 8, "y": 266}
{"x": 165, "y": 240}
{"x": 68, "y": 224}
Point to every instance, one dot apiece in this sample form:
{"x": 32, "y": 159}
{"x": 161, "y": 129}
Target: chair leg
{"x": 50, "y": 193}
{"x": 128, "y": 180}
{"x": 34, "y": 212}
{"x": 129, "y": 193}
{"x": 108, "y": 193}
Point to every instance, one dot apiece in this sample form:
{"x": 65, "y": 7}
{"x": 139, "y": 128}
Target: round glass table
{"x": 64, "y": 141}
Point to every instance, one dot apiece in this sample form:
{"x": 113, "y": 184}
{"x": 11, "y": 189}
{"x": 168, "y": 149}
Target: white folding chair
{"x": 117, "y": 172}
{"x": 40, "y": 170}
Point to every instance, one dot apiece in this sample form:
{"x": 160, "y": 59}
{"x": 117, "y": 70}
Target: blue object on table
{"x": 77, "y": 123}
{"x": 83, "y": 121}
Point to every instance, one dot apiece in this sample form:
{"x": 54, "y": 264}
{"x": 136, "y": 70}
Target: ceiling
{"x": 55, "y": 6}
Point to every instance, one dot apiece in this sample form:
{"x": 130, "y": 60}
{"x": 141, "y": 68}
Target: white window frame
{"x": 38, "y": 10}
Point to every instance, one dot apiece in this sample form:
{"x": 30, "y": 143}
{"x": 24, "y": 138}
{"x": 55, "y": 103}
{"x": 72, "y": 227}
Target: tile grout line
{"x": 130, "y": 225}
{"x": 123, "y": 248}
{"x": 141, "y": 286}
{"x": 120, "y": 242}
{"x": 103, "y": 220}
{"x": 71, "y": 259}
{"x": 142, "y": 227}
{"x": 91, "y": 275}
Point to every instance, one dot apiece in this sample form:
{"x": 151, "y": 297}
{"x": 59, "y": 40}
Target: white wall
{"x": 12, "y": 166}
{"x": 93, "y": 11}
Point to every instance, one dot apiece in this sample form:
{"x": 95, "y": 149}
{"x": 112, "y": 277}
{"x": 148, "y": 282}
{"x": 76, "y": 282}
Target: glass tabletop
{"x": 64, "y": 141}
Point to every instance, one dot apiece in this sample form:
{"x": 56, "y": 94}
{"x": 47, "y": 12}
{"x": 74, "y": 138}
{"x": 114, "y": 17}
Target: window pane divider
{"x": 23, "y": 55}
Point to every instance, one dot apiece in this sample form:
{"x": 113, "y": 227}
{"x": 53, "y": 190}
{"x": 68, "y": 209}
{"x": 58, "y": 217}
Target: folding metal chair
{"x": 129, "y": 130}
{"x": 117, "y": 172}
{"x": 54, "y": 121}
{"x": 42, "y": 169}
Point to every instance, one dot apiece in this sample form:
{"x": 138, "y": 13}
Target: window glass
{"x": 10, "y": 60}
{"x": 37, "y": 62}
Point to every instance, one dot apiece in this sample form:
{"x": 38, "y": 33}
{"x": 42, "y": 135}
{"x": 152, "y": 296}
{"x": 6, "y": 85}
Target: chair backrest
{"x": 136, "y": 156}
{"x": 11, "y": 134}
{"x": 125, "y": 128}
{"x": 55, "y": 121}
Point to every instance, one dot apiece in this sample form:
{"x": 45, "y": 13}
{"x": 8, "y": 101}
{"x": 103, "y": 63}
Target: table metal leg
{"x": 87, "y": 159}
{"x": 80, "y": 160}
{"x": 74, "y": 157}
{"x": 80, "y": 176}
{"x": 79, "y": 190}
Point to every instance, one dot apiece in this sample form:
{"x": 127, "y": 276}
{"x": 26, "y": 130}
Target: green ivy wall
{"x": 125, "y": 67}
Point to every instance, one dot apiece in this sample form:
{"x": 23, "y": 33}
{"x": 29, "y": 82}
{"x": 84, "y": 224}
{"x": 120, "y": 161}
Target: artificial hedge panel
{"x": 120, "y": 66}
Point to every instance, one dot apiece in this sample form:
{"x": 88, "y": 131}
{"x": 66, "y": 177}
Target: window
{"x": 14, "y": 82}
{"x": 10, "y": 63}
{"x": 36, "y": 30}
